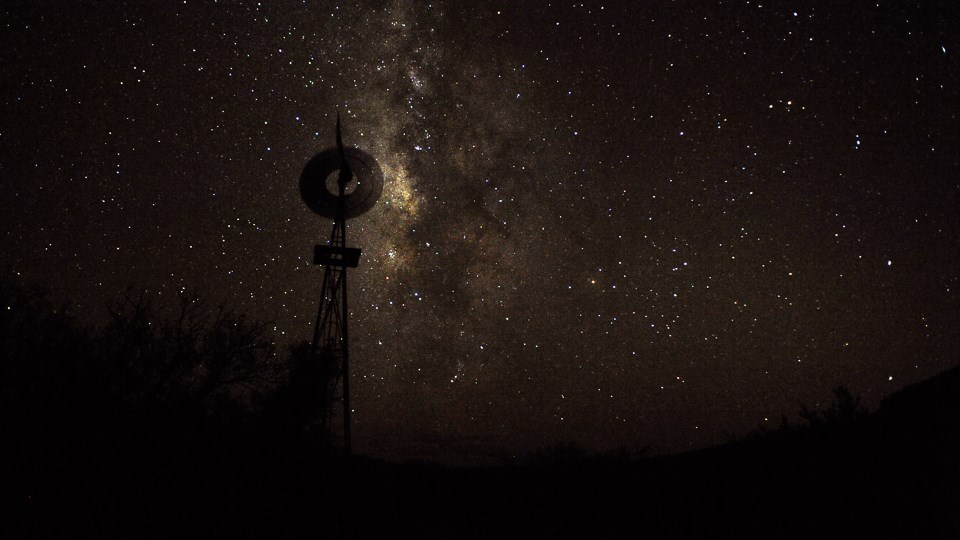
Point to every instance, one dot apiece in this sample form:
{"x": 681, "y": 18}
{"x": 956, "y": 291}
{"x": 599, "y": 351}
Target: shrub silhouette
{"x": 302, "y": 402}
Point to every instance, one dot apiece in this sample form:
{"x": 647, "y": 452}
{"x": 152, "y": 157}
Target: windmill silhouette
{"x": 351, "y": 191}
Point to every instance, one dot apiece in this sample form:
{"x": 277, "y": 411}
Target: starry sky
{"x": 613, "y": 223}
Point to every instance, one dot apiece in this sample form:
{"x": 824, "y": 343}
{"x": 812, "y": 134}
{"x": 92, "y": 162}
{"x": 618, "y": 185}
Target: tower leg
{"x": 331, "y": 333}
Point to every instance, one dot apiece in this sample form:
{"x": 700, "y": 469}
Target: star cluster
{"x": 612, "y": 224}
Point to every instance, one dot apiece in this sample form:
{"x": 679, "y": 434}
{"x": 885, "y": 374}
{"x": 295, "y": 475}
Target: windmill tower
{"x": 339, "y": 183}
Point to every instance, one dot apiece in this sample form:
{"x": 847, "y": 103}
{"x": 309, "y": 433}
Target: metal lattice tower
{"x": 358, "y": 185}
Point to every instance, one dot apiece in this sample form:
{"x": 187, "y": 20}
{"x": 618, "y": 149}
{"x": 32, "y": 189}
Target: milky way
{"x": 605, "y": 224}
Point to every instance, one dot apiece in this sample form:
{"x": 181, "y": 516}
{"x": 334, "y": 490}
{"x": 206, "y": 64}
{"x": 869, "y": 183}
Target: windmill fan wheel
{"x": 363, "y": 190}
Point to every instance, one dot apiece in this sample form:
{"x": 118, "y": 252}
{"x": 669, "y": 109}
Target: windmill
{"x": 338, "y": 183}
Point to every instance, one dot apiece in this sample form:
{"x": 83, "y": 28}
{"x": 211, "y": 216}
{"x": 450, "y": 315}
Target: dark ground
{"x": 892, "y": 474}
{"x": 101, "y": 440}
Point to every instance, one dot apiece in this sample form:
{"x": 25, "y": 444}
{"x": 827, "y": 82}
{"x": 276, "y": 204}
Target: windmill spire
{"x": 345, "y": 173}
{"x": 339, "y": 137}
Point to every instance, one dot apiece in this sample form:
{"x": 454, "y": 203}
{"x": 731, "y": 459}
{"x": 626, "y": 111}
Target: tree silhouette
{"x": 844, "y": 409}
{"x": 211, "y": 357}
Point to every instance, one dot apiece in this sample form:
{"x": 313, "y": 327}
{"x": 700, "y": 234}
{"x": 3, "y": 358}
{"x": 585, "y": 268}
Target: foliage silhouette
{"x": 302, "y": 402}
{"x": 211, "y": 356}
{"x": 845, "y": 409}
{"x": 158, "y": 411}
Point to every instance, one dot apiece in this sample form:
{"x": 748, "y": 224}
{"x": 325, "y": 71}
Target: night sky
{"x": 617, "y": 224}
